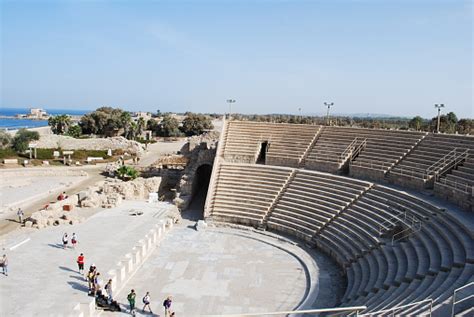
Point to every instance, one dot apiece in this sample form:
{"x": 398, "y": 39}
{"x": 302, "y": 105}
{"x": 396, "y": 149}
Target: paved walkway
{"x": 43, "y": 278}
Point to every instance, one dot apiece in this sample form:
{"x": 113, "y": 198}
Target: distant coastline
{"x": 9, "y": 121}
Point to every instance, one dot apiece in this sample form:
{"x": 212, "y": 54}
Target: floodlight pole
{"x": 299, "y": 109}
{"x": 329, "y": 105}
{"x": 439, "y": 106}
{"x": 230, "y": 102}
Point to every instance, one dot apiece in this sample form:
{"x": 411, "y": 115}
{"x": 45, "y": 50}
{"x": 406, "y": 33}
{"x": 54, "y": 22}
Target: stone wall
{"x": 53, "y": 141}
{"x": 200, "y": 150}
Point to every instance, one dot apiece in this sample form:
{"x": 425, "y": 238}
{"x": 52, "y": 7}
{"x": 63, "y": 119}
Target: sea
{"x": 13, "y": 124}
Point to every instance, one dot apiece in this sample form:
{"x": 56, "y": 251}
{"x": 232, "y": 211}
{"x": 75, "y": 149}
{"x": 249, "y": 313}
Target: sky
{"x": 396, "y": 57}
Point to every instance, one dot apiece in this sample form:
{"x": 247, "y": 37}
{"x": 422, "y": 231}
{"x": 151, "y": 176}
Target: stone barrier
{"x": 126, "y": 268}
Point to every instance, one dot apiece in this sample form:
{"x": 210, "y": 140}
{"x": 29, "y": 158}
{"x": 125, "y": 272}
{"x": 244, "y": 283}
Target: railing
{"x": 437, "y": 169}
{"x": 355, "y": 309}
{"x": 460, "y": 290}
{"x": 392, "y": 311}
{"x": 411, "y": 222}
{"x": 383, "y": 166}
{"x": 447, "y": 162}
{"x": 461, "y": 186}
{"x": 358, "y": 148}
{"x": 348, "y": 151}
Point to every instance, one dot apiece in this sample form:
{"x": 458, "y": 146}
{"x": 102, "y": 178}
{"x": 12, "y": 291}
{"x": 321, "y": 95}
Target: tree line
{"x": 108, "y": 121}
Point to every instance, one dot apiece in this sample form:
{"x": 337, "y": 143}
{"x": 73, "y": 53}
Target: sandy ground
{"x": 43, "y": 279}
{"x": 18, "y": 191}
{"x": 9, "y": 222}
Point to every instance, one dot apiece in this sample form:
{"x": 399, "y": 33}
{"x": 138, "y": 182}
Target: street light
{"x": 230, "y": 102}
{"x": 329, "y": 105}
{"x": 438, "y": 106}
{"x": 299, "y": 110}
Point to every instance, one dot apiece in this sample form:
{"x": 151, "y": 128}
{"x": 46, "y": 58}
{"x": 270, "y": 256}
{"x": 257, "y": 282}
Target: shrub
{"x": 7, "y": 153}
{"x": 127, "y": 172}
{"x": 5, "y": 139}
{"x": 22, "y": 138}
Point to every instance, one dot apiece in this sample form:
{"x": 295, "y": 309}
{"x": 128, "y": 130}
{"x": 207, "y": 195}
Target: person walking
{"x": 108, "y": 289}
{"x": 80, "y": 263}
{"x": 146, "y": 302}
{"x": 4, "y": 263}
{"x": 20, "y": 215}
{"x": 167, "y": 305}
{"x": 65, "y": 240}
{"x": 73, "y": 240}
{"x": 131, "y": 300}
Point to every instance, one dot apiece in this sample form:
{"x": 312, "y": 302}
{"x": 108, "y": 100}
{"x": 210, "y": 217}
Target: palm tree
{"x": 59, "y": 124}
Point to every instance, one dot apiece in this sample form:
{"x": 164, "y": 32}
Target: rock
{"x": 28, "y": 224}
{"x": 200, "y": 225}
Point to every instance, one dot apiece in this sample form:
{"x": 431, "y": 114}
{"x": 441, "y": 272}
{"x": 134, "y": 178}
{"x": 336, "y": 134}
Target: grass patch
{"x": 8, "y": 154}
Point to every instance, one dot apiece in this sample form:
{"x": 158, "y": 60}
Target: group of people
{"x": 65, "y": 240}
{"x": 131, "y": 297}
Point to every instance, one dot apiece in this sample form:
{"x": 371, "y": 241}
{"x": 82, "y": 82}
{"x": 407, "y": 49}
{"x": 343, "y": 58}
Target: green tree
{"x": 127, "y": 172}
{"x": 141, "y": 125}
{"x": 5, "y": 139}
{"x": 169, "y": 126}
{"x": 106, "y": 121}
{"x": 465, "y": 126}
{"x": 22, "y": 138}
{"x": 75, "y": 131}
{"x": 416, "y": 123}
{"x": 60, "y": 123}
{"x": 195, "y": 124}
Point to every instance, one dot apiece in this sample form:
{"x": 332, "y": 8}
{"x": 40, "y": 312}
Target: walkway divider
{"x": 126, "y": 267}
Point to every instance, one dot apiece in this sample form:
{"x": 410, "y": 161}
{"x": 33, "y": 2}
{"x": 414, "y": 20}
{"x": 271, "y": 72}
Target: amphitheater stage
{"x": 229, "y": 271}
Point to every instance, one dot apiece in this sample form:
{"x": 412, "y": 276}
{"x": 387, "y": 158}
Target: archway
{"x": 199, "y": 191}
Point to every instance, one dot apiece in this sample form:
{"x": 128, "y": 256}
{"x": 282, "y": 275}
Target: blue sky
{"x": 393, "y": 57}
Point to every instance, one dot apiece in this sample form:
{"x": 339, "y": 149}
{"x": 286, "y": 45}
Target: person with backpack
{"x": 80, "y": 263}
{"x": 146, "y": 302}
{"x": 131, "y": 300}
{"x": 90, "y": 278}
{"x": 167, "y": 305}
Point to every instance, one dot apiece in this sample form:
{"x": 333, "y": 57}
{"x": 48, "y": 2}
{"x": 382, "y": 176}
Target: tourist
{"x": 73, "y": 240}
{"x": 108, "y": 289}
{"x": 65, "y": 240}
{"x": 146, "y": 302}
{"x": 90, "y": 278}
{"x": 20, "y": 215}
{"x": 4, "y": 264}
{"x": 97, "y": 284}
{"x": 167, "y": 305}
{"x": 62, "y": 196}
{"x": 131, "y": 301}
{"x": 80, "y": 263}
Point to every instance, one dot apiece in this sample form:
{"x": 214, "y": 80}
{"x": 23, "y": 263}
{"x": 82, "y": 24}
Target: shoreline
{"x": 41, "y": 130}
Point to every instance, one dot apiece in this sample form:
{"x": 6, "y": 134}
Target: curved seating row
{"x": 287, "y": 143}
{"x": 354, "y": 222}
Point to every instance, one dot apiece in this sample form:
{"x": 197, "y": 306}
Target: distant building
{"x": 141, "y": 114}
{"x": 37, "y": 113}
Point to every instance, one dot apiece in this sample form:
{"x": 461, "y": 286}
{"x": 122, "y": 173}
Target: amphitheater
{"x": 393, "y": 209}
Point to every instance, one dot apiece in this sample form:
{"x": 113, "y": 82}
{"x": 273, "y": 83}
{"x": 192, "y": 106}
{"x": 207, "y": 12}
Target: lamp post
{"x": 438, "y": 106}
{"x": 230, "y": 102}
{"x": 329, "y": 105}
{"x": 299, "y": 110}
